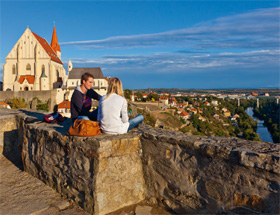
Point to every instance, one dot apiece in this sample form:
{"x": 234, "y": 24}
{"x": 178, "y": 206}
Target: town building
{"x": 184, "y": 115}
{"x": 73, "y": 79}
{"x": 64, "y": 108}
{"x": 164, "y": 100}
{"x": 4, "y": 105}
{"x": 33, "y": 64}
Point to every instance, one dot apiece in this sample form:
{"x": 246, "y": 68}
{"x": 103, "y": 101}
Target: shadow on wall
{"x": 61, "y": 127}
{"x": 12, "y": 148}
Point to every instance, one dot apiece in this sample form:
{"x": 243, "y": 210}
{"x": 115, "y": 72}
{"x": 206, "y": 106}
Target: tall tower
{"x": 54, "y": 44}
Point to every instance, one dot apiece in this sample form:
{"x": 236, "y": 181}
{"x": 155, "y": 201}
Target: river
{"x": 261, "y": 130}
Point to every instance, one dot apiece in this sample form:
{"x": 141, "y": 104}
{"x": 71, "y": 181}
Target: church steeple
{"x": 54, "y": 44}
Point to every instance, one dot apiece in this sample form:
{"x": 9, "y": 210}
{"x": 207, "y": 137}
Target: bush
{"x": 16, "y": 103}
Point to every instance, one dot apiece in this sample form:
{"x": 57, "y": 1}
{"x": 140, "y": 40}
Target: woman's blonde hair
{"x": 115, "y": 86}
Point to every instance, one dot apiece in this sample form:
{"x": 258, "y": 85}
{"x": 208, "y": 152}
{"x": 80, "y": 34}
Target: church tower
{"x": 54, "y": 44}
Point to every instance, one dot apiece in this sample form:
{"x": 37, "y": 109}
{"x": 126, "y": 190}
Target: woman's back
{"x": 112, "y": 114}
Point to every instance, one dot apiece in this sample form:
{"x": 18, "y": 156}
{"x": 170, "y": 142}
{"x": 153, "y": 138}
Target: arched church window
{"x": 14, "y": 69}
{"x": 43, "y": 69}
{"x": 28, "y": 67}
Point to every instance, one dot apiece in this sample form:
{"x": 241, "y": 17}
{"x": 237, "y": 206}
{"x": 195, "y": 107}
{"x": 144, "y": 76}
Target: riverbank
{"x": 261, "y": 129}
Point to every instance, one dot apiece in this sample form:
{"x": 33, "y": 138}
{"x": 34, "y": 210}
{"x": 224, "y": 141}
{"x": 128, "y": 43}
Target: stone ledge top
{"x": 34, "y": 119}
{"x": 247, "y": 153}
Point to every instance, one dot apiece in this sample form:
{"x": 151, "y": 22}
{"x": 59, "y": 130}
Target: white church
{"x": 33, "y": 64}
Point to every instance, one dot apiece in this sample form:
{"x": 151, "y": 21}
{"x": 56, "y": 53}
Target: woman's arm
{"x": 99, "y": 110}
{"x": 124, "y": 112}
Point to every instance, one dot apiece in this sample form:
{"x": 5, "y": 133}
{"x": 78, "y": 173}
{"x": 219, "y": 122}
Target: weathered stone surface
{"x": 208, "y": 175}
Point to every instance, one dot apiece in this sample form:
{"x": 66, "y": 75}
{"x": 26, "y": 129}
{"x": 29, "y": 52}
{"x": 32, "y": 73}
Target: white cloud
{"x": 174, "y": 62}
{"x": 256, "y": 29}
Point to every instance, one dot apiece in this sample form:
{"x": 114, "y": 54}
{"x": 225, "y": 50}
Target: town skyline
{"x": 200, "y": 45}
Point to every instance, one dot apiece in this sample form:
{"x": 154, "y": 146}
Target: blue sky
{"x": 158, "y": 44}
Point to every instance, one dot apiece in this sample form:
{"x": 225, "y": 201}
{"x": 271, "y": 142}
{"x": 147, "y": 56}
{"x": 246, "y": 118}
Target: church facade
{"x": 33, "y": 64}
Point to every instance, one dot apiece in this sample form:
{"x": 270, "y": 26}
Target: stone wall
{"x": 44, "y": 96}
{"x": 186, "y": 174}
{"x": 101, "y": 174}
{"x": 203, "y": 175}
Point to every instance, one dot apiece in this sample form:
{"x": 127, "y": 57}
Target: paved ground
{"x": 21, "y": 193}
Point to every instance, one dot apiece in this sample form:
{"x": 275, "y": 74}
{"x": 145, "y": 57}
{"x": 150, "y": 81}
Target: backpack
{"x": 53, "y": 118}
{"x": 84, "y": 128}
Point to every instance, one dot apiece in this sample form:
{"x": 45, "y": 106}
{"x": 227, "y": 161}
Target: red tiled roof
{"x": 163, "y": 98}
{"x": 54, "y": 43}
{"x": 183, "y": 113}
{"x": 29, "y": 78}
{"x": 48, "y": 48}
{"x": 64, "y": 104}
{"x": 3, "y": 103}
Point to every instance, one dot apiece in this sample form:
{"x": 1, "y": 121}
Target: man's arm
{"x": 94, "y": 95}
{"x": 77, "y": 101}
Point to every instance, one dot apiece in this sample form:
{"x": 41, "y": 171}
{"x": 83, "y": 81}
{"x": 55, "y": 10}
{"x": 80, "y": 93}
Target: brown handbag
{"x": 84, "y": 128}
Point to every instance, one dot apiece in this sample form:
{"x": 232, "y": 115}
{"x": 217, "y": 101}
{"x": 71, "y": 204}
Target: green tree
{"x": 16, "y": 103}
{"x": 153, "y": 96}
{"x": 139, "y": 95}
{"x": 127, "y": 94}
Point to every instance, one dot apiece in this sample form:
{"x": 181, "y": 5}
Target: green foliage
{"x": 148, "y": 118}
{"x": 139, "y": 95}
{"x": 127, "y": 93}
{"x": 16, "y": 103}
{"x": 182, "y": 120}
{"x": 153, "y": 96}
{"x": 43, "y": 107}
{"x": 269, "y": 111}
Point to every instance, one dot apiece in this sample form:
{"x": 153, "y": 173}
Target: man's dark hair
{"x": 86, "y": 76}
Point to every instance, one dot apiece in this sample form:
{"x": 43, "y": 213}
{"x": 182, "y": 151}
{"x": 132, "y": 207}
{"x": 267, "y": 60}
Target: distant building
{"x": 227, "y": 113}
{"x": 184, "y": 115}
{"x": 214, "y": 102}
{"x": 73, "y": 79}
{"x": 4, "y": 105}
{"x": 206, "y": 103}
{"x": 201, "y": 118}
{"x": 33, "y": 64}
{"x": 64, "y": 108}
{"x": 164, "y": 100}
{"x": 145, "y": 95}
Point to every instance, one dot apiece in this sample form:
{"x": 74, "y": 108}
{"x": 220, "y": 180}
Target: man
{"x": 81, "y": 99}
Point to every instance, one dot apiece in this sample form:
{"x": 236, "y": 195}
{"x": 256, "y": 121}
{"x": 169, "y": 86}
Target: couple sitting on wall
{"x": 112, "y": 111}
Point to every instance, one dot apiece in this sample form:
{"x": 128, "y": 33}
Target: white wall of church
{"x": 28, "y": 57}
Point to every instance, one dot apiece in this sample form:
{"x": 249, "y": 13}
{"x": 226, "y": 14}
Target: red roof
{"x": 48, "y": 48}
{"x": 3, "y": 103}
{"x": 54, "y": 44}
{"x": 29, "y": 78}
{"x": 163, "y": 98}
{"x": 64, "y": 104}
{"x": 183, "y": 113}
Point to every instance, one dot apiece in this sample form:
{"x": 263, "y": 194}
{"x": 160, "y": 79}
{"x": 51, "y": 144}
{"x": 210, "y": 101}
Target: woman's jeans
{"x": 132, "y": 123}
{"x": 135, "y": 121}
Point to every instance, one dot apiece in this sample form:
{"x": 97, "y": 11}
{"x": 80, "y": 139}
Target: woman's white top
{"x": 112, "y": 114}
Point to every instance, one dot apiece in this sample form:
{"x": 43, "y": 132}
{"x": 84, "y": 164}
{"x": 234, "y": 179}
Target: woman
{"x": 112, "y": 111}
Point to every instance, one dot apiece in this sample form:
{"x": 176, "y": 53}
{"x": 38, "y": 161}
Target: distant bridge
{"x": 258, "y": 99}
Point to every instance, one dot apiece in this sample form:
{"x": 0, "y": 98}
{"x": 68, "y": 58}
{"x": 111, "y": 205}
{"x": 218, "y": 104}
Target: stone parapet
{"x": 191, "y": 174}
{"x": 186, "y": 174}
